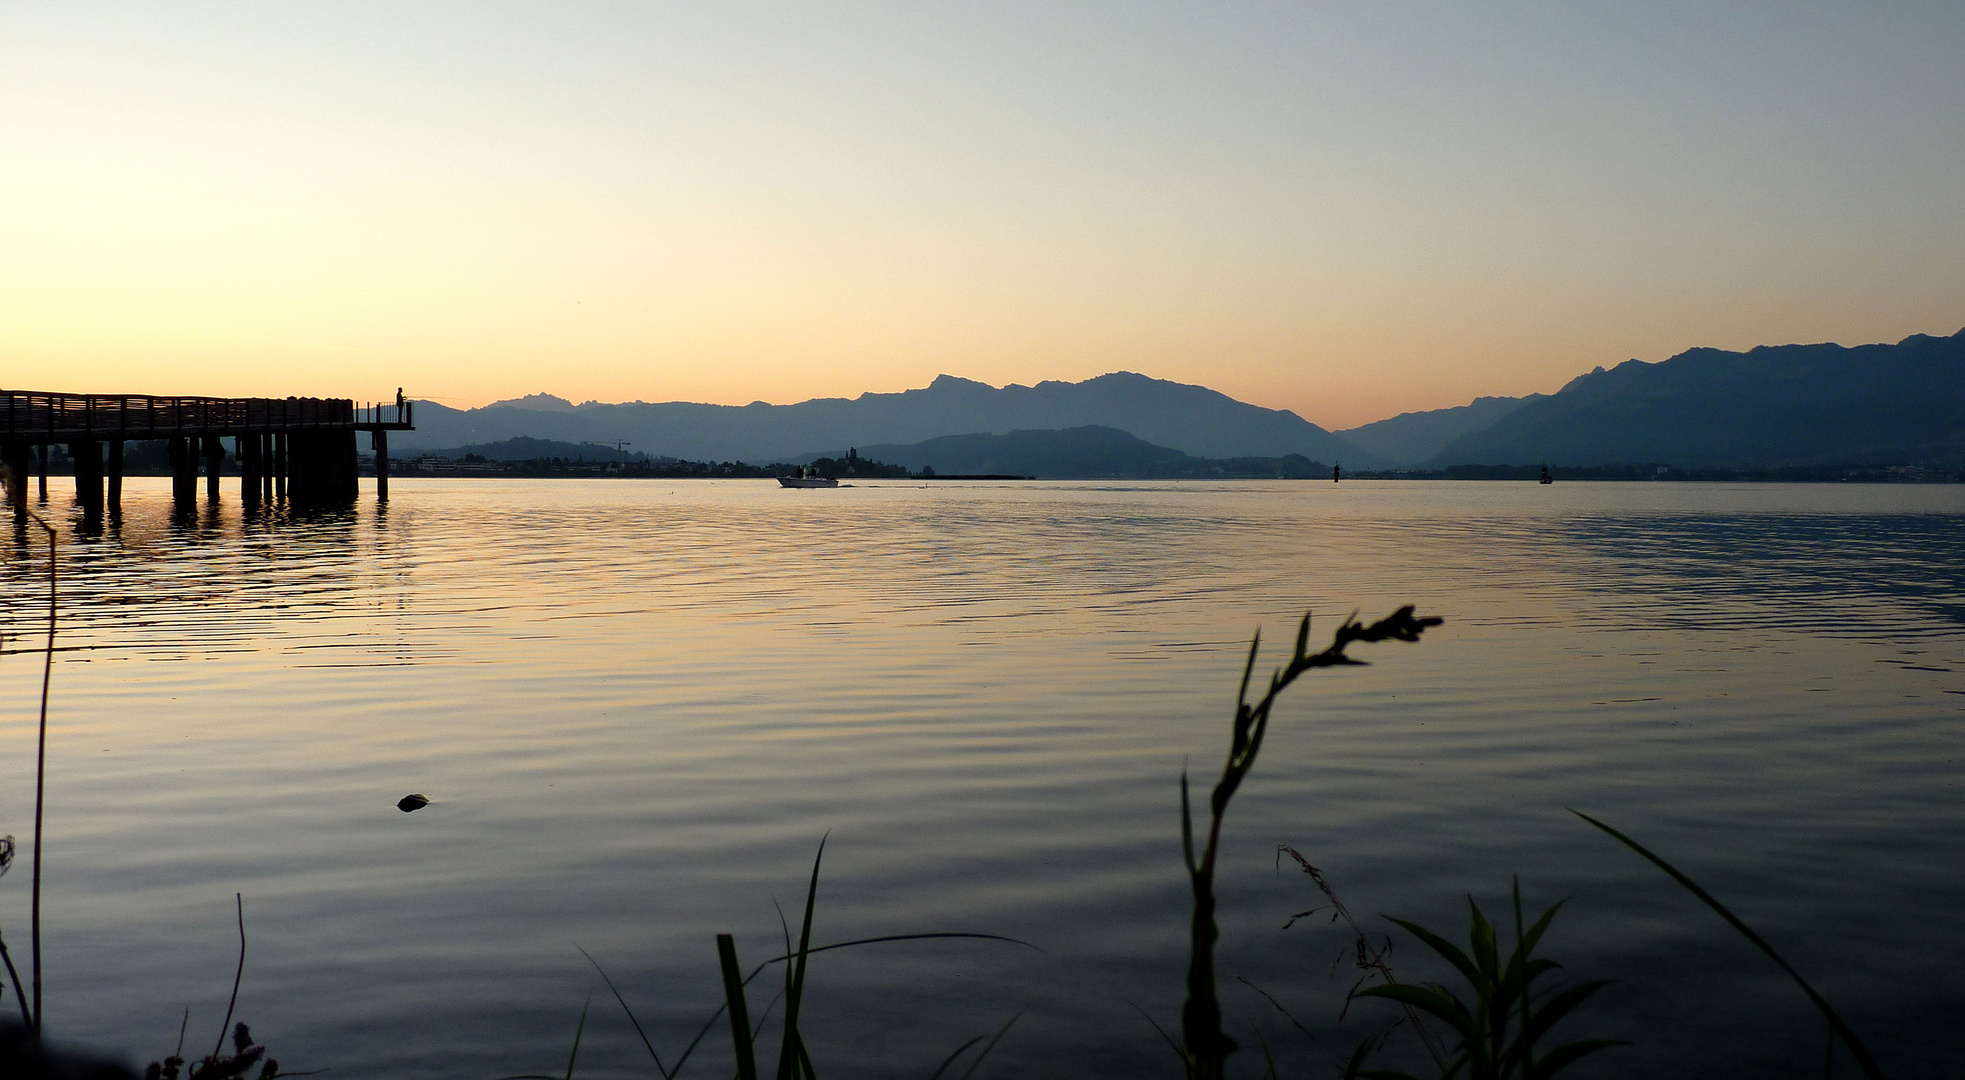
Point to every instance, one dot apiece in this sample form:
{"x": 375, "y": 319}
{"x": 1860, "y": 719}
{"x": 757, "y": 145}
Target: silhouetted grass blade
{"x": 1437, "y": 1002}
{"x": 1445, "y": 948}
{"x": 579, "y": 1032}
{"x": 20, "y": 998}
{"x": 1568, "y": 1054}
{"x": 733, "y": 1001}
{"x": 791, "y": 1055}
{"x": 1558, "y": 1005}
{"x": 950, "y": 1059}
{"x": 1179, "y": 1054}
{"x": 1187, "y": 826}
{"x": 1841, "y": 1027}
{"x": 1268, "y": 1057}
{"x": 991, "y": 1045}
{"x": 632, "y": 1019}
{"x": 717, "y": 1014}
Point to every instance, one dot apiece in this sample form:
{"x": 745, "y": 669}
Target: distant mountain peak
{"x": 956, "y": 382}
{"x": 1927, "y": 339}
{"x": 1191, "y": 419}
{"x": 540, "y": 402}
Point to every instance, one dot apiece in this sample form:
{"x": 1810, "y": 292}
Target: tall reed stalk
{"x": 33, "y": 1015}
{"x": 1205, "y": 1047}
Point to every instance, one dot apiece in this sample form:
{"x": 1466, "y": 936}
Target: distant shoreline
{"x": 1866, "y": 476}
{"x": 425, "y": 468}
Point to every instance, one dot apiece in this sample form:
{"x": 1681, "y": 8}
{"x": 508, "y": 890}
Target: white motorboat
{"x": 806, "y": 478}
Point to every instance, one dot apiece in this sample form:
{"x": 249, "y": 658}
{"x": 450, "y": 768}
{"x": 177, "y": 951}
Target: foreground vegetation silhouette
{"x": 1204, "y": 1046}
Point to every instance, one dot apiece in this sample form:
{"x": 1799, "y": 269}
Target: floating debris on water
{"x": 412, "y": 803}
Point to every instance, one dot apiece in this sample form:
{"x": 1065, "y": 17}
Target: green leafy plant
{"x": 1501, "y": 1021}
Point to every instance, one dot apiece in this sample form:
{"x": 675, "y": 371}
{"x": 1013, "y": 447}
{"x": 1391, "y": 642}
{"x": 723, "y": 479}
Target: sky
{"x": 1347, "y": 210}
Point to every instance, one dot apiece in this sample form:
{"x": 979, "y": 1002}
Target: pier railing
{"x": 47, "y": 418}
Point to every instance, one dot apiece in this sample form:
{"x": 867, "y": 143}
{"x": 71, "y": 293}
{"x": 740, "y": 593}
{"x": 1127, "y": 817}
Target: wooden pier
{"x": 300, "y": 450}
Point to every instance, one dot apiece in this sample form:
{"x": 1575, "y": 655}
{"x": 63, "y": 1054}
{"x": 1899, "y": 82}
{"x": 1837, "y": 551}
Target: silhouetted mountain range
{"x": 1409, "y": 439}
{"x": 1089, "y": 452}
{"x": 1773, "y": 406}
{"x": 536, "y": 402}
{"x": 1192, "y": 419}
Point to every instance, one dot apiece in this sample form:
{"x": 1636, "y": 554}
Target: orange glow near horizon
{"x": 1331, "y": 212}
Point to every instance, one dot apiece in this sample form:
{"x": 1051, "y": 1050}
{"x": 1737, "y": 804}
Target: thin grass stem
{"x": 991, "y": 1045}
{"x": 715, "y": 1015}
{"x": 950, "y": 1059}
{"x": 578, "y": 1031}
{"x": 643, "y": 1035}
{"x": 20, "y": 999}
{"x": 238, "y": 974}
{"x": 1370, "y": 960}
{"x": 793, "y": 1047}
{"x": 41, "y": 767}
{"x": 1287, "y": 1015}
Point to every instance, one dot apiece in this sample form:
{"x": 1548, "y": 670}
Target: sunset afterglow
{"x": 1345, "y": 210}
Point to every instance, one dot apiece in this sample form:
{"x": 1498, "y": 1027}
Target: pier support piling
{"x": 214, "y": 465}
{"x": 247, "y": 450}
{"x": 14, "y": 461}
{"x": 87, "y": 457}
{"x": 300, "y": 469}
{"x": 381, "y": 466}
{"x": 184, "y": 472}
{"x": 281, "y": 466}
{"x": 301, "y": 465}
{"x": 41, "y": 472}
{"x": 115, "y": 474}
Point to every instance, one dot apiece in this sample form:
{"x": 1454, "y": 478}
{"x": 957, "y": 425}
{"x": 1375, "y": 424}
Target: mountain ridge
{"x": 1411, "y": 438}
{"x": 1080, "y": 453}
{"x": 1770, "y": 406}
{"x": 1195, "y": 420}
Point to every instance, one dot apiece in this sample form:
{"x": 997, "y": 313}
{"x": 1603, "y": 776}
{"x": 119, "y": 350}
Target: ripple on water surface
{"x": 636, "y": 706}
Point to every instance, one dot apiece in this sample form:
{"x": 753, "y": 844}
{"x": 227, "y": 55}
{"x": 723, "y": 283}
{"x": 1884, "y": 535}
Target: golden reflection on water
{"x": 637, "y": 705}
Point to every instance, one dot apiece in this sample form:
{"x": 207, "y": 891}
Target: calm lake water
{"x": 637, "y": 706}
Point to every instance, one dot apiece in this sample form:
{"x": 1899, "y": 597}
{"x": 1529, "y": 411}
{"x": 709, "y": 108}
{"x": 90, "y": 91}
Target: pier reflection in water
{"x": 635, "y": 706}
